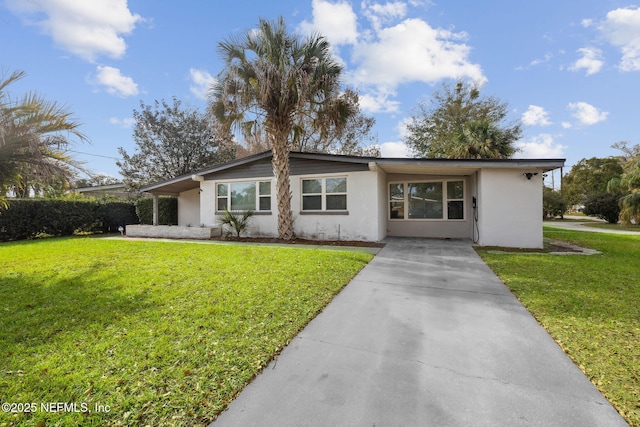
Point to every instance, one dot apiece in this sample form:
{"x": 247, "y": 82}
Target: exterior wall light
{"x": 530, "y": 174}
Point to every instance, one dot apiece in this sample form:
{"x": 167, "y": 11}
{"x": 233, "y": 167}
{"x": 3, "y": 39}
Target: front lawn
{"x": 589, "y": 304}
{"x": 154, "y": 333}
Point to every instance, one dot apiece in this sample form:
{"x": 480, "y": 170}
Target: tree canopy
{"x": 276, "y": 83}
{"x": 459, "y": 123}
{"x": 34, "y": 137}
{"x": 589, "y": 177}
{"x": 172, "y": 141}
{"x": 354, "y": 138}
{"x": 628, "y": 183}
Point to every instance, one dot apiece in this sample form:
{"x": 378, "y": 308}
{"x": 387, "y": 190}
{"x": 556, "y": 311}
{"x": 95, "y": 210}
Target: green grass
{"x": 164, "y": 334}
{"x": 590, "y": 305}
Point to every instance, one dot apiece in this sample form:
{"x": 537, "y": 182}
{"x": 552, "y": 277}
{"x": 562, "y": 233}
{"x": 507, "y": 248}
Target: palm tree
{"x": 628, "y": 183}
{"x": 274, "y": 82}
{"x": 483, "y": 140}
{"x": 33, "y": 137}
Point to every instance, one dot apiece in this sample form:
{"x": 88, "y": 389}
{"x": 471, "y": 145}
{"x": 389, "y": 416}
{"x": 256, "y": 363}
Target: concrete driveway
{"x": 425, "y": 335}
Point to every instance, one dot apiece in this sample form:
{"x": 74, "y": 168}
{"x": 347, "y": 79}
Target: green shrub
{"x": 115, "y": 214}
{"x": 604, "y": 206}
{"x": 167, "y": 210}
{"x": 29, "y": 218}
{"x": 236, "y": 223}
{"x": 552, "y": 203}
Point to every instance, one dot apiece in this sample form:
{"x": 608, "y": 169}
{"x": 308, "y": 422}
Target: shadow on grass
{"x": 35, "y": 309}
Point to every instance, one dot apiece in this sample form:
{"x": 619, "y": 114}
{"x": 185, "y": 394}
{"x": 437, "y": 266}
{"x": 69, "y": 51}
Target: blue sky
{"x": 570, "y": 70}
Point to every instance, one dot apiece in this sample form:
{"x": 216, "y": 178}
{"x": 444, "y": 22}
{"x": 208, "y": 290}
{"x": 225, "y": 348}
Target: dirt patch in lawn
{"x": 553, "y": 247}
{"x": 356, "y": 243}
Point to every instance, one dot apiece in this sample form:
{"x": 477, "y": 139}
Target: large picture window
{"x": 244, "y": 196}
{"x": 427, "y": 200}
{"x": 324, "y": 194}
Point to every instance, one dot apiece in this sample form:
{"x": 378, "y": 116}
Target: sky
{"x": 569, "y": 70}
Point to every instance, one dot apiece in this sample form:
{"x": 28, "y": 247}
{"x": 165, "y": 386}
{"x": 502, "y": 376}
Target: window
{"x": 396, "y": 204}
{"x": 426, "y": 200}
{"x": 455, "y": 200}
{"x": 242, "y": 196}
{"x": 324, "y": 194}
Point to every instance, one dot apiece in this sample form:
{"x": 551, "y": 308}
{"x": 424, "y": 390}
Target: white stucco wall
{"x": 361, "y": 223}
{"x": 189, "y": 208}
{"x": 362, "y": 204}
{"x": 382, "y": 204}
{"x": 510, "y": 208}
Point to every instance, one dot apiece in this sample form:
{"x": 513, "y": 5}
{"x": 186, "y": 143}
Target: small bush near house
{"x": 604, "y": 206}
{"x": 167, "y": 210}
{"x": 237, "y": 224}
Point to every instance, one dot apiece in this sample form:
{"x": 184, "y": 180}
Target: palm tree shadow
{"x": 35, "y": 311}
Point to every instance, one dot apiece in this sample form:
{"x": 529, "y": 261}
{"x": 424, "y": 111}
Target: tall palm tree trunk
{"x": 281, "y": 171}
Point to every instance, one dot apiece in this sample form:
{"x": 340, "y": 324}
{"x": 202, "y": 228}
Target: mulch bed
{"x": 302, "y": 242}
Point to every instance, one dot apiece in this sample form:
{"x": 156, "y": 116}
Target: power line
{"x": 94, "y": 155}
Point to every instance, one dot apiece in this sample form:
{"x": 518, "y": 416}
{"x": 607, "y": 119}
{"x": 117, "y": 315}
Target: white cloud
{"x": 202, "y": 82}
{"x": 125, "y": 123}
{"x": 590, "y": 60}
{"x": 586, "y": 23}
{"x": 427, "y": 55}
{"x": 621, "y": 28}
{"x": 380, "y": 14}
{"x": 394, "y": 149}
{"x": 379, "y": 102}
{"x": 336, "y": 21}
{"x": 566, "y": 125}
{"x": 539, "y": 147}
{"x": 536, "y": 116}
{"x": 115, "y": 82}
{"x": 586, "y": 113}
{"x": 84, "y": 28}
{"x": 539, "y": 61}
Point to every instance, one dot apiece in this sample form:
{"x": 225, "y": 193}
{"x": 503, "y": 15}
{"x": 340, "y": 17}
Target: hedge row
{"x": 167, "y": 210}
{"x": 26, "y": 219}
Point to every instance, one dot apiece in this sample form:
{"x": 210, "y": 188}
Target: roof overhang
{"x": 461, "y": 166}
{"x": 411, "y": 166}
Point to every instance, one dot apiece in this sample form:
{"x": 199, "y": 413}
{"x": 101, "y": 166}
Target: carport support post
{"x": 155, "y": 209}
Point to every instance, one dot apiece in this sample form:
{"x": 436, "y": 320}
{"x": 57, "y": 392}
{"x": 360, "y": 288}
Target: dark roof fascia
{"x": 333, "y": 157}
{"x": 502, "y": 163}
{"x": 211, "y": 169}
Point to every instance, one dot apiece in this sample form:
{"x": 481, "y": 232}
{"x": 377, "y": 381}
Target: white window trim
{"x": 323, "y": 195}
{"x": 244, "y": 181}
{"x": 445, "y": 200}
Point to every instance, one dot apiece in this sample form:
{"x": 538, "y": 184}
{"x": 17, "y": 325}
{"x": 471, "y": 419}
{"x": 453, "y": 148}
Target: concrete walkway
{"x": 580, "y": 226}
{"x": 425, "y": 335}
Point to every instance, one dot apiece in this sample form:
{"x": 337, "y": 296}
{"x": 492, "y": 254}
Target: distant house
{"x": 335, "y": 197}
{"x": 115, "y": 190}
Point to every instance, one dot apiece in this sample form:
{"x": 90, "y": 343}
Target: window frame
{"x": 258, "y": 196}
{"x": 403, "y": 205}
{"x": 323, "y": 195}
